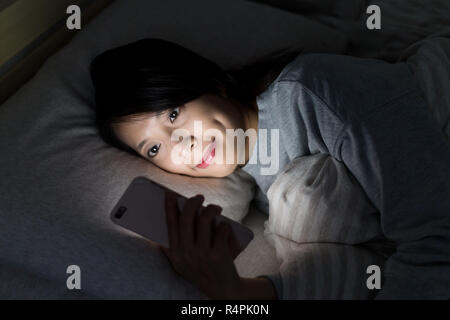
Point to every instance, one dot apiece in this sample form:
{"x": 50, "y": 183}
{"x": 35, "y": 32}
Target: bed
{"x": 60, "y": 181}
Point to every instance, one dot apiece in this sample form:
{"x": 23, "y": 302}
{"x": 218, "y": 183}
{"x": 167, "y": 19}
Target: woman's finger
{"x": 172, "y": 217}
{"x": 187, "y": 221}
{"x": 206, "y": 226}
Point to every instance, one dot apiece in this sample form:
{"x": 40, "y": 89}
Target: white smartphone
{"x": 141, "y": 210}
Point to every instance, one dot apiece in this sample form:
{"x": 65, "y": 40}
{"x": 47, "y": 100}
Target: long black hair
{"x": 153, "y": 75}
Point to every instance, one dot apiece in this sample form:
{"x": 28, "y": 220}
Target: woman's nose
{"x": 191, "y": 142}
{"x": 188, "y": 146}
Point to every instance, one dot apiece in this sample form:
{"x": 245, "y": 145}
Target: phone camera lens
{"x": 120, "y": 212}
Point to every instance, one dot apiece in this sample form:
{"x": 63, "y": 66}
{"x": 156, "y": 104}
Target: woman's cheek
{"x": 175, "y": 157}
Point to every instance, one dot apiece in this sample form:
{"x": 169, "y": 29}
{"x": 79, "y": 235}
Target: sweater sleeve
{"x": 402, "y": 161}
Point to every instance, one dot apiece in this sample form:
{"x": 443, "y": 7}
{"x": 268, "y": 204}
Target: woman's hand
{"x": 198, "y": 250}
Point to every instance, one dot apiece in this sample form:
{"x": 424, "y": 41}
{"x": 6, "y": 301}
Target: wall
{"x": 30, "y": 31}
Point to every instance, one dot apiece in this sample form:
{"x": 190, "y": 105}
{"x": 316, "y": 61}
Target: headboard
{"x": 32, "y": 30}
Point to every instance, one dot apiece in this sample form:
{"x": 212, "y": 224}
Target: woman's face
{"x": 190, "y": 139}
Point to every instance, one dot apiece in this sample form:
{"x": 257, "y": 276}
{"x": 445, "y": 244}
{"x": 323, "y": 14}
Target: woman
{"x": 173, "y": 107}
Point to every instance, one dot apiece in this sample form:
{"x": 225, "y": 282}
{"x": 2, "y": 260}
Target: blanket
{"x": 324, "y": 230}
{"x": 430, "y": 61}
{"x": 317, "y": 213}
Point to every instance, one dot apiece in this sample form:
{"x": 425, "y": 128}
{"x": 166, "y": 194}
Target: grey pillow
{"x": 60, "y": 180}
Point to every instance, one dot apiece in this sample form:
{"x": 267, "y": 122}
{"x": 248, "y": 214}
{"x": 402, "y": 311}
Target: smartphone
{"x": 141, "y": 210}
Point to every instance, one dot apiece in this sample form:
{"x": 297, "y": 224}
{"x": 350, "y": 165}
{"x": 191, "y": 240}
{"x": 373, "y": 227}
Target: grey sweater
{"x": 370, "y": 115}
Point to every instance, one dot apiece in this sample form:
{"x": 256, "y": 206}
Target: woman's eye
{"x": 174, "y": 114}
{"x": 153, "y": 150}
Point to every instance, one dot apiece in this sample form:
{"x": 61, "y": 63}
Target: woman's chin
{"x": 212, "y": 171}
{"x": 224, "y": 171}
{"x": 215, "y": 171}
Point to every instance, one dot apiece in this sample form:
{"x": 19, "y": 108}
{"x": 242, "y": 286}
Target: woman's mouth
{"x": 208, "y": 157}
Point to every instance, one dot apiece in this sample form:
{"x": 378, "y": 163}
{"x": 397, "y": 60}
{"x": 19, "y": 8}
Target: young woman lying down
{"x": 180, "y": 111}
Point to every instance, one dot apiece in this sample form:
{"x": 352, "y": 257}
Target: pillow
{"x": 60, "y": 180}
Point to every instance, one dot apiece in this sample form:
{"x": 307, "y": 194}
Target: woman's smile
{"x": 209, "y": 156}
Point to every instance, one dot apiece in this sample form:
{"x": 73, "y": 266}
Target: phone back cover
{"x": 144, "y": 213}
